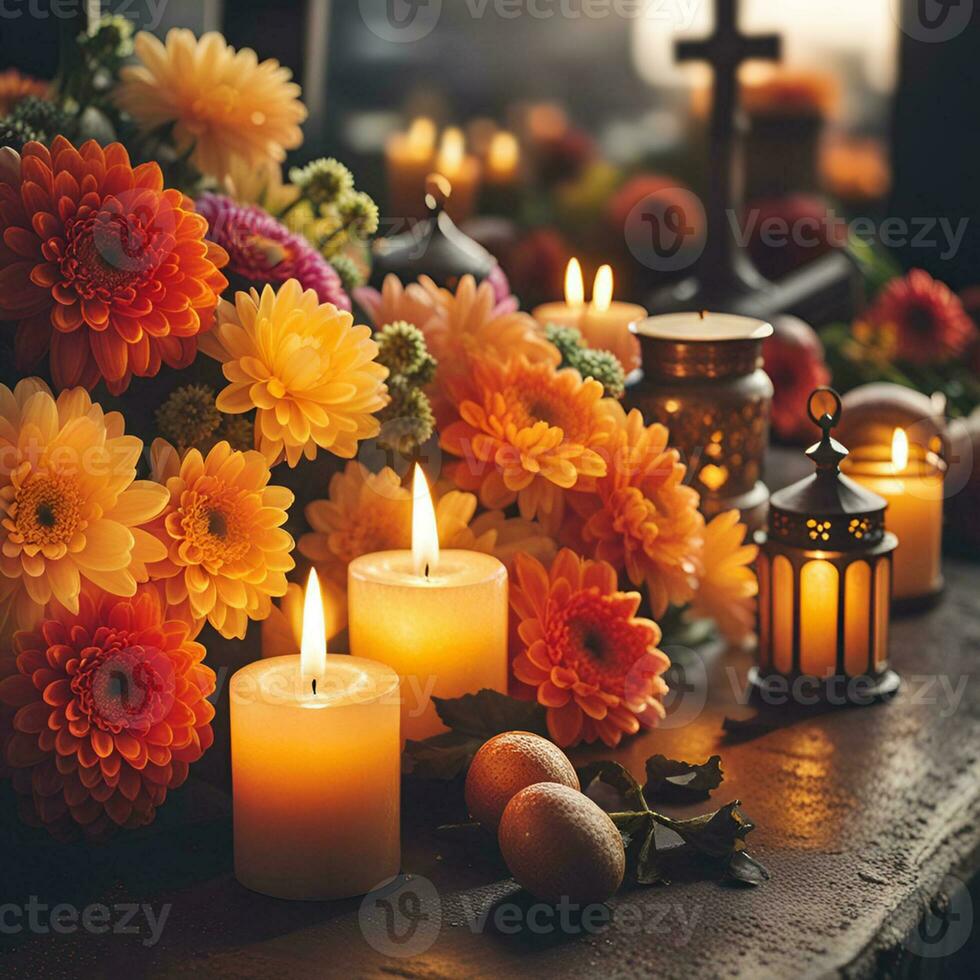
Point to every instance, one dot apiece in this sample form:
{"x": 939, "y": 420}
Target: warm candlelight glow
{"x": 602, "y": 288}
{"x": 452, "y": 149}
{"x": 422, "y": 134}
{"x": 425, "y": 534}
{"x": 504, "y": 152}
{"x": 574, "y": 284}
{"x": 313, "y": 644}
{"x": 900, "y": 450}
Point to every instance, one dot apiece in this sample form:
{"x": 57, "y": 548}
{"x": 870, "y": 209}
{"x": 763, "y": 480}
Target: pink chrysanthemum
{"x": 261, "y": 250}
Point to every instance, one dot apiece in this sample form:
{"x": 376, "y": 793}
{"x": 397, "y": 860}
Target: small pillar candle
{"x": 913, "y": 487}
{"x": 462, "y": 170}
{"x": 315, "y": 758}
{"x": 439, "y": 618}
{"x": 603, "y": 323}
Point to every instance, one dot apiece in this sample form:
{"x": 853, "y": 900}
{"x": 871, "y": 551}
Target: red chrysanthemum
{"x": 592, "y": 663}
{"x": 101, "y": 265}
{"x": 794, "y": 359}
{"x": 108, "y": 711}
{"x": 922, "y": 319}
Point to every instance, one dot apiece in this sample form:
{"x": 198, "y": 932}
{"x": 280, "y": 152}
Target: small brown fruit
{"x": 508, "y": 763}
{"x": 559, "y": 844}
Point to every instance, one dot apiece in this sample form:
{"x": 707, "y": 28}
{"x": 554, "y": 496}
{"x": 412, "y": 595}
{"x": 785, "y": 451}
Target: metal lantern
{"x": 825, "y": 570}
{"x": 703, "y": 379}
{"x": 434, "y": 247}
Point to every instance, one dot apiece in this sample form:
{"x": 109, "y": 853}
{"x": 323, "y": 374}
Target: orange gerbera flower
{"x": 70, "y": 506}
{"x": 592, "y": 663}
{"x": 101, "y": 265}
{"x": 727, "y": 585}
{"x": 527, "y": 432}
{"x": 641, "y": 517}
{"x": 227, "y": 553}
{"x": 227, "y": 107}
{"x": 109, "y": 708}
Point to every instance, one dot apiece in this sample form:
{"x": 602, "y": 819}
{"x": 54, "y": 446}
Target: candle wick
{"x": 702, "y": 313}
{"x": 314, "y": 685}
{"x": 426, "y": 571}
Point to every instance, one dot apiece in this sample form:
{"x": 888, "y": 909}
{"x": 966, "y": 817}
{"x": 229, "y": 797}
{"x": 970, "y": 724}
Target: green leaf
{"x": 473, "y": 719}
{"x": 444, "y": 756}
{"x": 647, "y": 867}
{"x": 618, "y": 778}
{"x": 744, "y": 868}
{"x": 676, "y": 781}
{"x": 490, "y": 713}
{"x": 717, "y": 834}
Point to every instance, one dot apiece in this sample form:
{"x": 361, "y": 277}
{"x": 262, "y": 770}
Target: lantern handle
{"x": 826, "y": 421}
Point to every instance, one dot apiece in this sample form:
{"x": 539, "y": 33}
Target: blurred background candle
{"x": 315, "y": 758}
{"x": 461, "y": 169}
{"x": 439, "y": 618}
{"x": 500, "y": 193}
{"x": 910, "y": 478}
{"x": 605, "y": 323}
{"x": 409, "y": 157}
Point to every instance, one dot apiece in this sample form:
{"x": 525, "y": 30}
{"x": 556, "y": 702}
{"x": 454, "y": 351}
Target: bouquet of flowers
{"x": 153, "y": 257}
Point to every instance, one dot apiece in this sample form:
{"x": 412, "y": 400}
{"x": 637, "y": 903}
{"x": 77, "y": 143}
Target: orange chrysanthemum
{"x": 641, "y": 517}
{"x": 395, "y": 302}
{"x": 592, "y": 663}
{"x": 727, "y": 585}
{"x": 101, "y": 265}
{"x": 369, "y": 512}
{"x": 227, "y": 553}
{"x": 227, "y": 108}
{"x": 309, "y": 371}
{"x": 70, "y": 506}
{"x": 14, "y": 87}
{"x": 108, "y": 711}
{"x": 527, "y": 432}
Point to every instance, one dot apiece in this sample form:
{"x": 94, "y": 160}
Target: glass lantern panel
{"x": 857, "y": 618}
{"x": 783, "y": 591}
{"x": 818, "y": 619}
{"x": 765, "y": 601}
{"x": 883, "y": 574}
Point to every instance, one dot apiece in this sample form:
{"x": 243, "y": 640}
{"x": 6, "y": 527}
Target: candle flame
{"x": 574, "y": 284}
{"x": 452, "y": 148}
{"x": 422, "y": 133}
{"x": 504, "y": 152}
{"x": 313, "y": 642}
{"x": 602, "y": 288}
{"x": 425, "y": 533}
{"x": 900, "y": 449}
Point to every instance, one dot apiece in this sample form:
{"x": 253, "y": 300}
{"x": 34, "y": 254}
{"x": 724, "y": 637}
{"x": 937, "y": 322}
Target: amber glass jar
{"x": 702, "y": 377}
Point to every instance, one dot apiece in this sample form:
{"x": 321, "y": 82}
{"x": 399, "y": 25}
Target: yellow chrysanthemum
{"x": 70, "y": 506}
{"x": 527, "y": 432}
{"x": 226, "y": 553}
{"x": 641, "y": 518}
{"x": 368, "y": 512}
{"x": 727, "y": 586}
{"x": 226, "y": 105}
{"x": 310, "y": 373}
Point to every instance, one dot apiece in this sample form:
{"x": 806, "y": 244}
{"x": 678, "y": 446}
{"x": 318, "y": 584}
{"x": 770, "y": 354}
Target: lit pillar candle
{"x": 409, "y": 157}
{"x": 461, "y": 169}
{"x": 438, "y": 618}
{"x": 913, "y": 488}
{"x": 503, "y": 159}
{"x": 315, "y": 758}
{"x": 604, "y": 324}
